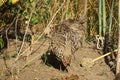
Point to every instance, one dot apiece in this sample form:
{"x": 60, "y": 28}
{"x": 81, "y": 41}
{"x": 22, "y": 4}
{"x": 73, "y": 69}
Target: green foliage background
{"x": 17, "y": 14}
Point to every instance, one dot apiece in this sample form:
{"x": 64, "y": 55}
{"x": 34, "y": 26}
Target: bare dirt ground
{"x": 35, "y": 69}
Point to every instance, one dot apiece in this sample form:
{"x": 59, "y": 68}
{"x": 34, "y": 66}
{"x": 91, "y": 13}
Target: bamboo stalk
{"x": 110, "y": 20}
{"x": 100, "y": 18}
{"x": 104, "y": 18}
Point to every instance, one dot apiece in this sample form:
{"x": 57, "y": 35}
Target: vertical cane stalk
{"x": 100, "y": 17}
{"x": 110, "y": 19}
{"x": 104, "y": 18}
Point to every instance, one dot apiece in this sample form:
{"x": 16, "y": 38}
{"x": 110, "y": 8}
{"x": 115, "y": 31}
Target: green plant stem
{"x": 104, "y": 18}
{"x": 110, "y": 20}
{"x": 100, "y": 18}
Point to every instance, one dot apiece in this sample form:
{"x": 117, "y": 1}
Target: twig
{"x": 85, "y": 8}
{"x": 16, "y": 37}
{"x": 40, "y": 37}
{"x": 104, "y": 55}
{"x": 43, "y": 31}
{"x": 26, "y": 31}
{"x": 6, "y": 32}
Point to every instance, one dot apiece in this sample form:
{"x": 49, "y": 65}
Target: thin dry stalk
{"x": 108, "y": 8}
{"x": 85, "y": 8}
{"x": 39, "y": 38}
{"x": 28, "y": 23}
{"x": 18, "y": 54}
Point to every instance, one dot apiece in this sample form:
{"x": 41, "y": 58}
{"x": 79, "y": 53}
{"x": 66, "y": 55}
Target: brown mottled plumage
{"x": 66, "y": 38}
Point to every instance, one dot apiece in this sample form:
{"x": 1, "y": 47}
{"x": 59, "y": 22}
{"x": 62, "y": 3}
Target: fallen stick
{"x": 89, "y": 62}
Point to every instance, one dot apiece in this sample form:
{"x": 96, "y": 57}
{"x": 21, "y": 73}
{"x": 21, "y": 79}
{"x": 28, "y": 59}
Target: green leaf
{"x": 31, "y": 0}
{"x": 14, "y": 1}
{"x": 34, "y": 20}
{"x": 9, "y": 2}
{"x": 33, "y": 3}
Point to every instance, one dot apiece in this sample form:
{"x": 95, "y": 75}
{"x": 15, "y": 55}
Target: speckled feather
{"x": 66, "y": 38}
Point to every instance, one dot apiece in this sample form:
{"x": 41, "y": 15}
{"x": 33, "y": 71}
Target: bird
{"x": 65, "y": 39}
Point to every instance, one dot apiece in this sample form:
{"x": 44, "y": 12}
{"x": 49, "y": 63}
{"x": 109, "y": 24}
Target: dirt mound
{"x": 37, "y": 70}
